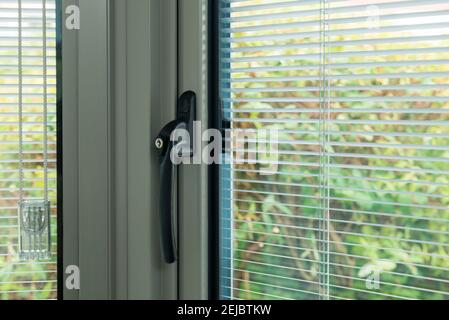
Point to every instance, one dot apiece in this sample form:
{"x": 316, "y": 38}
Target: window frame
{"x": 129, "y": 88}
{"x": 194, "y": 215}
{"x": 85, "y": 99}
{"x": 59, "y": 155}
{"x": 216, "y": 122}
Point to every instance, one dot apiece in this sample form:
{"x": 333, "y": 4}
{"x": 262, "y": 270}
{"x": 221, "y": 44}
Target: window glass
{"x": 28, "y": 149}
{"x": 355, "y": 203}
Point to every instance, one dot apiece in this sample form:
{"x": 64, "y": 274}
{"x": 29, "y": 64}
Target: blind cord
{"x": 327, "y": 151}
{"x": 45, "y": 92}
{"x": 34, "y": 239}
{"x": 20, "y": 80}
{"x": 323, "y": 127}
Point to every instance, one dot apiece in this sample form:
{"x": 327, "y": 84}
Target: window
{"x": 358, "y": 93}
{"x": 27, "y": 142}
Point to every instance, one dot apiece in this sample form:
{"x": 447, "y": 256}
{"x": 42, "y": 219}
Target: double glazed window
{"x": 336, "y": 184}
{"x": 358, "y": 92}
{"x": 27, "y": 144}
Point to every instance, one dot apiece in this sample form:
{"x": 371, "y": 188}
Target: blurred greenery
{"x": 388, "y": 182}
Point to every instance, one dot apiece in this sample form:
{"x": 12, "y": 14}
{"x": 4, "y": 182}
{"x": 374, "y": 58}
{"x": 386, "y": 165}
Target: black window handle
{"x": 186, "y": 114}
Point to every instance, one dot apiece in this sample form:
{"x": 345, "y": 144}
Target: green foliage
{"x": 394, "y": 219}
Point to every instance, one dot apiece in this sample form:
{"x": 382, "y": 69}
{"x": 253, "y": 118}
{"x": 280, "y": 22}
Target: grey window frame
{"x": 86, "y": 150}
{"x": 117, "y": 95}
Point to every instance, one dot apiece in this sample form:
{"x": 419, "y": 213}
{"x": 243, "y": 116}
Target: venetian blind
{"x": 27, "y": 138}
{"x": 358, "y": 92}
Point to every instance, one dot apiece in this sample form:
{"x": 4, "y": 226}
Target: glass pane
{"x": 28, "y": 174}
{"x": 357, "y": 205}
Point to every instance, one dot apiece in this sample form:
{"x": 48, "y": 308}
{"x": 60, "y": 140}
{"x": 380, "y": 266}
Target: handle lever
{"x": 186, "y": 114}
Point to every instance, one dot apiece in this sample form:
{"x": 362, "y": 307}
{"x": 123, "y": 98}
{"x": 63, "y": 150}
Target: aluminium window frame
{"x": 116, "y": 96}
{"x": 59, "y": 155}
{"x": 194, "y": 215}
{"x": 122, "y": 73}
{"x": 143, "y": 76}
{"x": 86, "y": 152}
{"x": 160, "y": 52}
{"x": 199, "y": 63}
{"x": 109, "y": 87}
